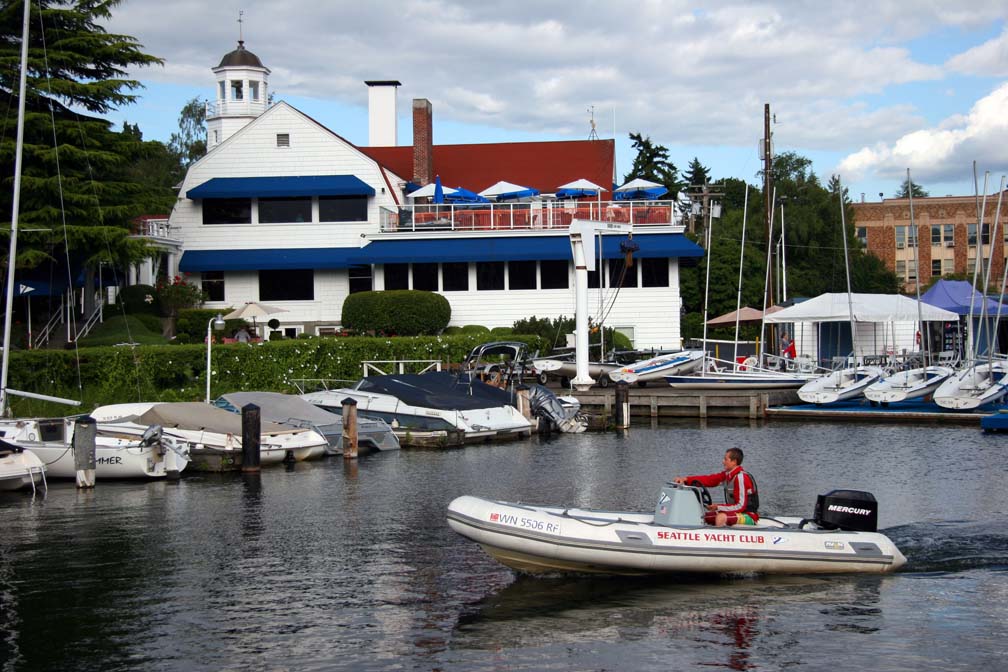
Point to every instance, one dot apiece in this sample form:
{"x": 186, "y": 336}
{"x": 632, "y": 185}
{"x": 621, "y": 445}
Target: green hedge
{"x": 134, "y": 299}
{"x": 178, "y": 373}
{"x": 404, "y": 312}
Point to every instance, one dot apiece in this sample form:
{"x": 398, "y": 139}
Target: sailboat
{"x": 19, "y": 468}
{"x": 980, "y": 382}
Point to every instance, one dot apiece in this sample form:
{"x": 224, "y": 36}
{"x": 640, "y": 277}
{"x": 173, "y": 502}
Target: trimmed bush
{"x": 193, "y": 323}
{"x": 501, "y": 333}
{"x": 405, "y": 312}
{"x": 134, "y": 299}
{"x": 475, "y": 329}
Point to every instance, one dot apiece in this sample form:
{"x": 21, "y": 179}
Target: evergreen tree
{"x": 904, "y": 190}
{"x": 75, "y": 169}
{"x": 697, "y": 175}
{"x": 652, "y": 163}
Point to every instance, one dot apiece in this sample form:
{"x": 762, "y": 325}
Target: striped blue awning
{"x": 288, "y": 185}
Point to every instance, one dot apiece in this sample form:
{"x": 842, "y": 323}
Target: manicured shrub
{"x": 403, "y": 312}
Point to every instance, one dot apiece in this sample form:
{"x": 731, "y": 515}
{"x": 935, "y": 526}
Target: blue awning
{"x": 524, "y": 248}
{"x": 288, "y": 185}
{"x": 268, "y": 259}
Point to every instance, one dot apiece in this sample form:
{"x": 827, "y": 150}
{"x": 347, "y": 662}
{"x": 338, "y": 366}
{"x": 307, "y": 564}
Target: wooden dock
{"x": 658, "y": 402}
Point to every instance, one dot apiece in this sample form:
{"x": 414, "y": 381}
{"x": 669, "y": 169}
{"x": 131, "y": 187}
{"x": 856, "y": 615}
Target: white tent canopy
{"x": 582, "y": 184}
{"x": 638, "y": 183}
{"x": 503, "y": 187}
{"x": 867, "y": 308}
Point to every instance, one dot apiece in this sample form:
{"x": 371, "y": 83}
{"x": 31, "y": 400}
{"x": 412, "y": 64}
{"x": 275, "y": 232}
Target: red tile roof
{"x": 541, "y": 165}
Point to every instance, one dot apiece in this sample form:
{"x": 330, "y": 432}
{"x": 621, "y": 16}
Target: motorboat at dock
{"x": 20, "y": 469}
{"x": 913, "y": 383}
{"x": 840, "y": 538}
{"x": 838, "y": 385}
{"x": 373, "y": 434}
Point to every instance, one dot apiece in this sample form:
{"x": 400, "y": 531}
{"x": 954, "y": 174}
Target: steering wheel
{"x": 705, "y": 497}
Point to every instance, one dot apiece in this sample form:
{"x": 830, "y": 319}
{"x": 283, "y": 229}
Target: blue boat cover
{"x": 955, "y": 295}
{"x": 288, "y": 185}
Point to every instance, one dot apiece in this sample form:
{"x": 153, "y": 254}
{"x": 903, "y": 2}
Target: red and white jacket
{"x": 739, "y": 498}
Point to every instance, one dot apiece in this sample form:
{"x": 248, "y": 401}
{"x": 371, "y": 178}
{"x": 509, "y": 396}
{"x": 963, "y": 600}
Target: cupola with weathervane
{"x": 242, "y": 94}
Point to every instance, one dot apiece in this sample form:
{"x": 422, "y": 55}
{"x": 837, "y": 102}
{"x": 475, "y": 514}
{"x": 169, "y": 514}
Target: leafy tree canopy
{"x": 905, "y": 190}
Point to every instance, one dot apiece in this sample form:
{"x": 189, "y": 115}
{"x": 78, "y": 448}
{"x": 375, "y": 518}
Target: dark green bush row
{"x": 134, "y": 299}
{"x": 178, "y": 373}
{"x": 404, "y": 312}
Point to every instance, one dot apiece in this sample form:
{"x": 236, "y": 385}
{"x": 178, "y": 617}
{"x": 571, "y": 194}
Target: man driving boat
{"x": 741, "y": 494}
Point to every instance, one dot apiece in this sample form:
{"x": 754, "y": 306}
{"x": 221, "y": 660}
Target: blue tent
{"x": 955, "y": 295}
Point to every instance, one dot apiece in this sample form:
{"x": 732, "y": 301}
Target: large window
{"x": 971, "y": 234}
{"x": 901, "y": 237}
{"x": 396, "y": 276}
{"x": 212, "y": 283}
{"x": 616, "y": 272}
{"x": 360, "y": 278}
{"x": 490, "y": 275}
{"x": 654, "y": 272}
{"x": 227, "y": 211}
{"x": 343, "y": 208}
{"x": 521, "y": 275}
{"x": 287, "y": 285}
{"x": 455, "y": 276}
{"x": 949, "y": 235}
{"x": 936, "y": 267}
{"x": 425, "y": 277}
{"x": 554, "y": 274}
{"x": 284, "y": 210}
{"x": 936, "y": 235}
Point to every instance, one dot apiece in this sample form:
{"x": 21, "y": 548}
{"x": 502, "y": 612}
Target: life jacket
{"x": 752, "y": 496}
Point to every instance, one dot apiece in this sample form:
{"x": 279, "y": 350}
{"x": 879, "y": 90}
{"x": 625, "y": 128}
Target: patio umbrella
{"x": 503, "y": 191}
{"x": 744, "y": 314}
{"x": 253, "y": 309}
{"x": 438, "y": 190}
{"x": 579, "y": 188}
{"x": 427, "y": 191}
{"x": 460, "y": 195}
{"x": 639, "y": 189}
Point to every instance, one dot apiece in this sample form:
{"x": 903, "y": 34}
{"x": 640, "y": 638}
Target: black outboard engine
{"x": 847, "y": 510}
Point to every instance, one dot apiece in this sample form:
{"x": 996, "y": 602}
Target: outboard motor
{"x": 678, "y": 505}
{"x": 852, "y": 510}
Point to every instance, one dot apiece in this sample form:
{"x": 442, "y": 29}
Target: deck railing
{"x": 525, "y": 216}
{"x": 153, "y": 228}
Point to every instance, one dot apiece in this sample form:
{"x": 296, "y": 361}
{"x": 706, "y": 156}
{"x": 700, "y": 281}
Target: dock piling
{"x": 251, "y": 437}
{"x": 349, "y": 428}
{"x": 622, "y": 405}
{"x": 85, "y": 431}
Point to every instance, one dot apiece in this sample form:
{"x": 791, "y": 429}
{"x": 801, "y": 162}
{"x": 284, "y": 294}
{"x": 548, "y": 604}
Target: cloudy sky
{"x": 864, "y": 89}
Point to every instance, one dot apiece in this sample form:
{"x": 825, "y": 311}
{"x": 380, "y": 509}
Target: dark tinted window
{"x": 654, "y": 272}
{"x": 554, "y": 274}
{"x": 425, "y": 277}
{"x": 342, "y": 208}
{"x": 227, "y": 211}
{"x": 360, "y": 278}
{"x": 455, "y": 276}
{"x": 284, "y": 210}
{"x": 490, "y": 275}
{"x": 287, "y": 285}
{"x": 521, "y": 275}
{"x": 617, "y": 272}
{"x": 212, "y": 283}
{"x": 396, "y": 276}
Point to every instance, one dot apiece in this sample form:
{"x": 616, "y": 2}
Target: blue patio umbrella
{"x": 461, "y": 195}
{"x": 504, "y": 191}
{"x": 439, "y": 196}
{"x": 579, "y": 189}
{"x": 639, "y": 189}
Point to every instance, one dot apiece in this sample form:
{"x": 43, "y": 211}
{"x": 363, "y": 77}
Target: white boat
{"x": 212, "y": 436}
{"x": 839, "y": 385}
{"x": 372, "y": 434}
{"x": 744, "y": 376}
{"x": 117, "y": 455}
{"x": 974, "y": 386}
{"x": 566, "y": 369}
{"x": 672, "y": 539}
{"x": 19, "y": 469}
{"x": 656, "y": 368}
{"x": 432, "y": 408}
{"x": 910, "y": 384}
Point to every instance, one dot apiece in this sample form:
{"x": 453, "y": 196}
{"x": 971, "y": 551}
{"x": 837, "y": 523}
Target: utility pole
{"x": 768, "y": 187}
{"x": 704, "y": 195}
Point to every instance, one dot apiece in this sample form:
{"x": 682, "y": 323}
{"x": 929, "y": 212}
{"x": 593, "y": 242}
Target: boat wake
{"x": 952, "y": 546}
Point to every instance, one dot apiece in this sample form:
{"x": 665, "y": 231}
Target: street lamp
{"x": 216, "y": 323}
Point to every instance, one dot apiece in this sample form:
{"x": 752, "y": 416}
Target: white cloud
{"x": 988, "y": 59}
{"x": 944, "y": 152}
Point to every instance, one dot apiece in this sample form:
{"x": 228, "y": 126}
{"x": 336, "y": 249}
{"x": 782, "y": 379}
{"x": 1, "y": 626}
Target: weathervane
{"x": 241, "y": 37}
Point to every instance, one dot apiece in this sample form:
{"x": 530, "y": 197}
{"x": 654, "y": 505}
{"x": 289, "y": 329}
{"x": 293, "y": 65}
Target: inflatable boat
{"x": 840, "y": 538}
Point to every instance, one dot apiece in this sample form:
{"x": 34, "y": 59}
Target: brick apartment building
{"x": 947, "y": 229}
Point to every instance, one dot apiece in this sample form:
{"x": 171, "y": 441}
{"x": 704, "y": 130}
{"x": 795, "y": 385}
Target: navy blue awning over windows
{"x": 522, "y": 248}
{"x": 195, "y": 261}
{"x": 288, "y": 185}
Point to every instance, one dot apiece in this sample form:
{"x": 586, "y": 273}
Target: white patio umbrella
{"x": 427, "y": 191}
{"x": 503, "y": 190}
{"x": 638, "y": 183}
{"x": 582, "y": 184}
{"x": 253, "y": 309}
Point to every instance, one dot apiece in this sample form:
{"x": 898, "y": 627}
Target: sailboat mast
{"x": 15, "y": 206}
{"x": 846, "y": 261}
{"x": 738, "y": 299}
{"x": 920, "y": 317}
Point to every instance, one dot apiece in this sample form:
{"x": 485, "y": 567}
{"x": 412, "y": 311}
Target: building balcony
{"x": 156, "y": 231}
{"x": 233, "y": 108}
{"x": 528, "y": 216}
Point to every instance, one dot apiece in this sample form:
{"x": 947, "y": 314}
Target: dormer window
{"x": 283, "y": 139}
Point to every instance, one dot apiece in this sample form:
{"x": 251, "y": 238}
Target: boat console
{"x": 679, "y": 505}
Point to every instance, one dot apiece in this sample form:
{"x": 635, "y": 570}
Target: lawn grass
{"x": 122, "y": 329}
